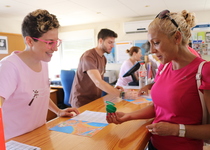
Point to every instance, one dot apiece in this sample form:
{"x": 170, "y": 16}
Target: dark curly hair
{"x": 38, "y": 22}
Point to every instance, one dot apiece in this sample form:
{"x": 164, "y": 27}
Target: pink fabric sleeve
{"x": 8, "y": 79}
{"x": 205, "y": 81}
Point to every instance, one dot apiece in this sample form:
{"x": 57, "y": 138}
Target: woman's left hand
{"x": 68, "y": 112}
{"x": 164, "y": 129}
{"x": 120, "y": 88}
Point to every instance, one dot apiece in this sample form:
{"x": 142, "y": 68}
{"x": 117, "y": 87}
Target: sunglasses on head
{"x": 166, "y": 13}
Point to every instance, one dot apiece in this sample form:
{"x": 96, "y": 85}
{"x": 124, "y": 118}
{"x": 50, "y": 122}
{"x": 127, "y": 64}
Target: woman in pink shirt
{"x": 176, "y": 107}
{"x": 25, "y": 85}
{"x": 135, "y": 55}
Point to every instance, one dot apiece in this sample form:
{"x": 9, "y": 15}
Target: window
{"x": 74, "y": 44}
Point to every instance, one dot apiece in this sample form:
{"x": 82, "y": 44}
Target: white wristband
{"x": 181, "y": 130}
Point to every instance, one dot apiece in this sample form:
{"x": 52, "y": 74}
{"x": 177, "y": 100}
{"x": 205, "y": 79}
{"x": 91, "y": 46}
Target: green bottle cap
{"x": 109, "y": 103}
{"x": 110, "y": 108}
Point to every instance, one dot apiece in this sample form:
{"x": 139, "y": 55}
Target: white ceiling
{"x": 73, "y": 12}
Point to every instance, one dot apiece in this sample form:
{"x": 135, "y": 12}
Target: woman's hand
{"x": 120, "y": 88}
{"x": 144, "y": 90}
{"x": 164, "y": 129}
{"x": 68, "y": 112}
{"x": 117, "y": 117}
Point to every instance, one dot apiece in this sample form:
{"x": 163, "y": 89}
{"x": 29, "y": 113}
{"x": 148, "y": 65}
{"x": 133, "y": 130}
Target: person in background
{"x": 190, "y": 43}
{"x": 25, "y": 85}
{"x": 176, "y": 107}
{"x": 88, "y": 82}
{"x": 135, "y": 55}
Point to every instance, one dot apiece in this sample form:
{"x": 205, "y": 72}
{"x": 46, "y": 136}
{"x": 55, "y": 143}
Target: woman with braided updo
{"x": 176, "y": 108}
{"x": 25, "y": 85}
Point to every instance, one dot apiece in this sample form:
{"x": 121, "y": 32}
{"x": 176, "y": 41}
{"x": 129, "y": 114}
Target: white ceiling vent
{"x": 136, "y": 26}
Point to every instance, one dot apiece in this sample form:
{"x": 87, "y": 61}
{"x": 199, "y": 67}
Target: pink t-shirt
{"x": 176, "y": 100}
{"x": 19, "y": 85}
{"x": 123, "y": 81}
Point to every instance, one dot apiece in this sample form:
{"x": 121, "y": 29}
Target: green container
{"x": 111, "y": 109}
{"x": 109, "y": 103}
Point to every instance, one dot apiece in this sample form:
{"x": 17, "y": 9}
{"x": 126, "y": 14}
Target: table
{"x": 131, "y": 135}
{"x": 56, "y": 86}
{"x": 60, "y": 95}
{"x": 53, "y": 97}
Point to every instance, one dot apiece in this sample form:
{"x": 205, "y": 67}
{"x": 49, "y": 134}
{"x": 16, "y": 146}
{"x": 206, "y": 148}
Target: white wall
{"x": 117, "y": 26}
{"x": 14, "y": 26}
{"x": 202, "y": 16}
{"x": 10, "y": 25}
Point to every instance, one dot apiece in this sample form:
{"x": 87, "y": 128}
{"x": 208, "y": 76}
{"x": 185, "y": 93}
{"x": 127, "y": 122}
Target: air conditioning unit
{"x": 136, "y": 26}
